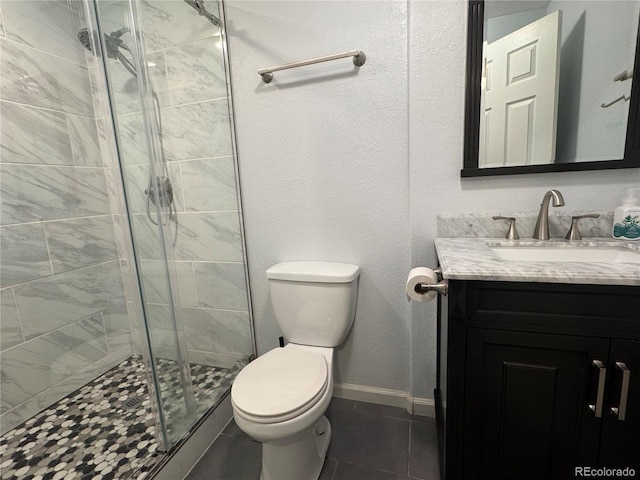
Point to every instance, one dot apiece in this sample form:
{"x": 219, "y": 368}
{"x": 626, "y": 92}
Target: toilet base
{"x": 301, "y": 458}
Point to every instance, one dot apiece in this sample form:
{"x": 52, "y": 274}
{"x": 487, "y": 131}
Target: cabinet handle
{"x": 621, "y": 410}
{"x": 602, "y": 376}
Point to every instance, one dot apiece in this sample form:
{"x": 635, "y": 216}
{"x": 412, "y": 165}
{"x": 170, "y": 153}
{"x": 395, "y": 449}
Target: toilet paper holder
{"x": 441, "y": 287}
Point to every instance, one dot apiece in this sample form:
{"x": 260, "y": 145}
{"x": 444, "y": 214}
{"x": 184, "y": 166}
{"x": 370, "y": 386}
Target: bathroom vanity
{"x": 538, "y": 362}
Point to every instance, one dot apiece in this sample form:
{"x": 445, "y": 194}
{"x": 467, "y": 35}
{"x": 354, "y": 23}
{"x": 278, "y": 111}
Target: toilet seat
{"x": 280, "y": 385}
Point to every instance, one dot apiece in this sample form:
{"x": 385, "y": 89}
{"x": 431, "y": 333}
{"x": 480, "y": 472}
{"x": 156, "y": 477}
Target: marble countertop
{"x": 472, "y": 259}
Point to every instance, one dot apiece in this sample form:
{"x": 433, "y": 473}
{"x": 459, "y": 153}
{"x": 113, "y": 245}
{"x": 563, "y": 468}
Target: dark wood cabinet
{"x": 530, "y": 377}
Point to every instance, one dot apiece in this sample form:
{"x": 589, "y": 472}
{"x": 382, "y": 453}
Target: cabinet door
{"x": 526, "y": 404}
{"x": 620, "y": 444}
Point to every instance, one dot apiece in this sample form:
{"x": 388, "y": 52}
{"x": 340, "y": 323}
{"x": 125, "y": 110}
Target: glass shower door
{"x": 165, "y": 76}
{"x": 150, "y": 208}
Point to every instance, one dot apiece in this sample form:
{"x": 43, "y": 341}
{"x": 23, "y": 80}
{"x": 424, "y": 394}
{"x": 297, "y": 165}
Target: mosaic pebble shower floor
{"x": 105, "y": 429}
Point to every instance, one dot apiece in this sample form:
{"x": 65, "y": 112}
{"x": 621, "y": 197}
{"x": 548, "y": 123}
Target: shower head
{"x": 113, "y": 45}
{"x": 85, "y": 39}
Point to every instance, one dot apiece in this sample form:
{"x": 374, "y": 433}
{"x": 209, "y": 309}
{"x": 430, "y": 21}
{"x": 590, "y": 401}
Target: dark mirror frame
{"x": 472, "y": 113}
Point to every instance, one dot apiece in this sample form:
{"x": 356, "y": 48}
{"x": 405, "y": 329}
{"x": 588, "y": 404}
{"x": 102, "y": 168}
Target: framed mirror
{"x": 551, "y": 86}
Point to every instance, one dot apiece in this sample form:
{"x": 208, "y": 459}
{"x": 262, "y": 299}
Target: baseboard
{"x": 424, "y": 407}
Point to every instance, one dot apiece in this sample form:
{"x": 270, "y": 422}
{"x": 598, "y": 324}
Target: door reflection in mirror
{"x": 519, "y": 96}
{"x": 548, "y": 67}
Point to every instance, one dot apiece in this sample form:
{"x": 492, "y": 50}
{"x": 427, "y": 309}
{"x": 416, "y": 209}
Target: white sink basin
{"x": 587, "y": 254}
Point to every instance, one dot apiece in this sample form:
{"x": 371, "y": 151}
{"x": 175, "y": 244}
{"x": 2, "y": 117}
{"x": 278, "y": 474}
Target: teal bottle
{"x": 626, "y": 218}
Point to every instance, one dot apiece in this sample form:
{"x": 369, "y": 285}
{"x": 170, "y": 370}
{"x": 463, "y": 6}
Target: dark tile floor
{"x": 369, "y": 442}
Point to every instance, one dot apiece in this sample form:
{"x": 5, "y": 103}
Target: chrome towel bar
{"x": 358, "y": 60}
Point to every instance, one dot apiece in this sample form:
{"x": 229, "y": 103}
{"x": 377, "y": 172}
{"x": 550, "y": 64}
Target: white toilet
{"x": 280, "y": 398}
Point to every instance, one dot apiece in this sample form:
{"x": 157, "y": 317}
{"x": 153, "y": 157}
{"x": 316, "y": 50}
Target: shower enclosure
{"x": 123, "y": 273}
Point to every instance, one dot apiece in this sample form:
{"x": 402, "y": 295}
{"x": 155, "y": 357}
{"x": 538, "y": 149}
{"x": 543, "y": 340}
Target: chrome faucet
{"x": 541, "y": 231}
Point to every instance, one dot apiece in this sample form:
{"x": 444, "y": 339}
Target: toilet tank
{"x": 314, "y": 302}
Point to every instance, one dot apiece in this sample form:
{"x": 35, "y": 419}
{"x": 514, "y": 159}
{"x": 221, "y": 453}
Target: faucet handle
{"x": 574, "y": 231}
{"x": 512, "y": 233}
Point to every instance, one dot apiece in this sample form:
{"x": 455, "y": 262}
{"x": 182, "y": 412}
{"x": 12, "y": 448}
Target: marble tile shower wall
{"x": 185, "y": 62}
{"x": 63, "y": 316}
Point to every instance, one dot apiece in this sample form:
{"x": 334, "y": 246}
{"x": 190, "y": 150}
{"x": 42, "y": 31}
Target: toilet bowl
{"x": 280, "y": 398}
{"x": 294, "y": 431}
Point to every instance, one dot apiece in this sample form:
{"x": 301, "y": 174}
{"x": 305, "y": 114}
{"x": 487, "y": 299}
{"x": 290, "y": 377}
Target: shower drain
{"x": 133, "y": 402}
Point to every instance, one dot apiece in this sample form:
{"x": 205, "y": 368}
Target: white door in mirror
{"x": 519, "y": 96}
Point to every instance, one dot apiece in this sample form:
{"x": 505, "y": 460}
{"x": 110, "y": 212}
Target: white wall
{"x": 323, "y": 163}
{"x": 356, "y": 168}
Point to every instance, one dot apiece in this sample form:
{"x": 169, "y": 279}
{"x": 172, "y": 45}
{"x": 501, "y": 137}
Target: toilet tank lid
{"x": 322, "y": 272}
